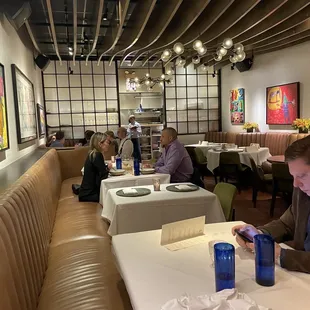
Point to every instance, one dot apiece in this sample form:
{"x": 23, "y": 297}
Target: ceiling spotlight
{"x": 218, "y": 57}
{"x": 228, "y": 43}
{"x": 238, "y": 48}
{"x": 221, "y": 51}
{"x": 202, "y": 50}
{"x": 197, "y": 45}
{"x": 105, "y": 16}
{"x": 178, "y": 48}
{"x": 196, "y": 60}
{"x": 214, "y": 74}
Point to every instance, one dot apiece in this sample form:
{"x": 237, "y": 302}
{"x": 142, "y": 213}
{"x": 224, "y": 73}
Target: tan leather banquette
{"x": 55, "y": 251}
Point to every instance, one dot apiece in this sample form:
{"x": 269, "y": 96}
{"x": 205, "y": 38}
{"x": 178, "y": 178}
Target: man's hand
{"x": 109, "y": 165}
{"x": 239, "y": 240}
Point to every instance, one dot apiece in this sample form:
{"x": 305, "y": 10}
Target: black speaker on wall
{"x": 244, "y": 65}
{"x": 42, "y": 61}
{"x": 16, "y": 11}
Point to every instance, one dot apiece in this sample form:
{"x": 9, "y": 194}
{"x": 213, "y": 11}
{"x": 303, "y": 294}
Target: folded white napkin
{"x": 129, "y": 190}
{"x": 224, "y": 300}
{"x": 182, "y": 186}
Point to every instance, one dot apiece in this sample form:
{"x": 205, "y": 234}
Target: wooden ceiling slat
{"x": 138, "y": 21}
{"x": 286, "y": 34}
{"x": 258, "y": 14}
{"x": 158, "y": 22}
{"x": 294, "y": 20}
{"x": 115, "y": 31}
{"x": 181, "y": 22}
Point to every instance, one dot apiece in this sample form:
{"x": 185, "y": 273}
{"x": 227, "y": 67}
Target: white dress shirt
{"x": 125, "y": 149}
{"x": 134, "y": 133}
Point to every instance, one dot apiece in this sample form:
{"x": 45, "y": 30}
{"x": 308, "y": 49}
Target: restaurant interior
{"x": 230, "y": 76}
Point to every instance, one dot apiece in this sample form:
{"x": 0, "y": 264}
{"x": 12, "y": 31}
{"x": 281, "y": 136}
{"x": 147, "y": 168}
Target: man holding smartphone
{"x": 294, "y": 224}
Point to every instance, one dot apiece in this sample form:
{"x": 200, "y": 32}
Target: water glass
{"x": 118, "y": 161}
{"x": 112, "y": 159}
{"x": 224, "y": 263}
{"x": 136, "y": 167}
{"x": 156, "y": 184}
{"x": 211, "y": 249}
{"x": 264, "y": 260}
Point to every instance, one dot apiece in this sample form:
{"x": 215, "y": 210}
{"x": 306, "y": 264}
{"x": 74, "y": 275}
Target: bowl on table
{"x": 145, "y": 170}
{"x": 116, "y": 172}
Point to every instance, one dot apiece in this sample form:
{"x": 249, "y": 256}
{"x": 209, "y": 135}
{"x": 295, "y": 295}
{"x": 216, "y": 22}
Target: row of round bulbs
{"x": 237, "y": 49}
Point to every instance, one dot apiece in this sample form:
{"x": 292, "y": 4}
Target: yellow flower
{"x": 249, "y": 125}
{"x": 301, "y": 123}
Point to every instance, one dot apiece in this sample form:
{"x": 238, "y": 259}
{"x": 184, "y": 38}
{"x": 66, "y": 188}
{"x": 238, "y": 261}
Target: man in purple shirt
{"x": 174, "y": 159}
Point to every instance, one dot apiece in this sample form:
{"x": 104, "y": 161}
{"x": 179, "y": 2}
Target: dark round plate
{"x": 191, "y": 188}
{"x": 140, "y": 192}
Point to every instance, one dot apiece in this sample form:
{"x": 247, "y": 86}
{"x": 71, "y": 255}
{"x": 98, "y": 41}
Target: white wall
{"x": 280, "y": 67}
{"x": 13, "y": 51}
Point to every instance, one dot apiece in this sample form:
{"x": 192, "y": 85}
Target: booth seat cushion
{"x": 78, "y": 220}
{"x": 231, "y": 137}
{"x": 277, "y": 142}
{"x": 245, "y": 139}
{"x": 82, "y": 275}
{"x": 215, "y": 136}
{"x": 66, "y": 188}
{"x": 296, "y": 136}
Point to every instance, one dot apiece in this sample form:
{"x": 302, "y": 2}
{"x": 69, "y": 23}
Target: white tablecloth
{"x": 153, "y": 275}
{"x": 204, "y": 148}
{"x": 134, "y": 214}
{"x": 213, "y": 157}
{"x": 128, "y": 180}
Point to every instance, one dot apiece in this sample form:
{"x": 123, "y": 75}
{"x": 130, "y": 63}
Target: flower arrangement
{"x": 249, "y": 125}
{"x": 303, "y": 124}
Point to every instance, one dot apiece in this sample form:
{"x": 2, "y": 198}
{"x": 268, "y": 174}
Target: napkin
{"x": 129, "y": 190}
{"x": 228, "y": 299}
{"x": 182, "y": 186}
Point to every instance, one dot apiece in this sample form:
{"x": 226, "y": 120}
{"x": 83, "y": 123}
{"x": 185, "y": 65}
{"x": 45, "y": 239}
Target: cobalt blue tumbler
{"x": 118, "y": 161}
{"x": 136, "y": 167}
{"x": 264, "y": 259}
{"x": 224, "y": 263}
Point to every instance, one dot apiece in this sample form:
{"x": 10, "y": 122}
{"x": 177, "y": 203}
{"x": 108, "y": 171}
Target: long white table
{"x": 259, "y": 156}
{"x": 154, "y": 275}
{"x": 204, "y": 147}
{"x": 134, "y": 214}
{"x": 128, "y": 180}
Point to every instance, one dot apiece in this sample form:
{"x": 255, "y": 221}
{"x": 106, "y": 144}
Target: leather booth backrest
{"x": 245, "y": 139}
{"x": 277, "y": 142}
{"x": 27, "y": 214}
{"x": 214, "y": 136}
{"x": 296, "y": 136}
{"x": 231, "y": 137}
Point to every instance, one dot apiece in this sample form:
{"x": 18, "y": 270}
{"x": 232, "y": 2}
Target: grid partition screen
{"x": 192, "y": 101}
{"x": 81, "y": 97}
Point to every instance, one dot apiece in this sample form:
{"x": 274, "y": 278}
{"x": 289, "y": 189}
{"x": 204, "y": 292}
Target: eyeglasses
{"x": 107, "y": 141}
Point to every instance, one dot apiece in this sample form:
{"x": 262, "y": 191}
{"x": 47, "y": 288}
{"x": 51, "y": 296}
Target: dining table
{"x": 149, "y": 212}
{"x": 154, "y": 275}
{"x": 276, "y": 159}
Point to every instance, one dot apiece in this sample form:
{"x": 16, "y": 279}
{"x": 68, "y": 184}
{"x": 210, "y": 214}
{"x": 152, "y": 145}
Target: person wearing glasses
{"x": 95, "y": 169}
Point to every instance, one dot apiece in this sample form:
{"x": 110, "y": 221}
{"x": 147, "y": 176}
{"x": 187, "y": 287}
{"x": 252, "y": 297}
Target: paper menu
{"x": 182, "y": 230}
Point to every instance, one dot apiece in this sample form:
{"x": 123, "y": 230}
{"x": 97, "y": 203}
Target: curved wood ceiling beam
{"x": 116, "y": 29}
{"x": 258, "y": 14}
{"x": 181, "y": 22}
{"x": 294, "y": 20}
{"x": 286, "y": 34}
{"x": 139, "y": 18}
{"x": 158, "y": 22}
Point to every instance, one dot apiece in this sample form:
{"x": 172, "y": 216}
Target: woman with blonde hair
{"x": 95, "y": 168}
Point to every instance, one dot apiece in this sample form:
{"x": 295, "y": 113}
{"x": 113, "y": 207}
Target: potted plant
{"x": 250, "y": 126}
{"x": 302, "y": 124}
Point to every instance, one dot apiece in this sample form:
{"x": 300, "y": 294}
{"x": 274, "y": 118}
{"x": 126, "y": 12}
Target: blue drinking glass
{"x": 118, "y": 161}
{"x": 136, "y": 167}
{"x": 224, "y": 265}
{"x": 264, "y": 260}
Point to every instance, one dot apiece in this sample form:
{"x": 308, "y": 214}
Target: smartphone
{"x": 247, "y": 234}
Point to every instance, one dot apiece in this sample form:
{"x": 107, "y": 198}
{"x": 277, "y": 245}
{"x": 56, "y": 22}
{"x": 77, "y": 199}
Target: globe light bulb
{"x": 147, "y": 75}
{"x": 180, "y": 61}
{"x": 228, "y": 43}
{"x": 197, "y": 45}
{"x": 136, "y": 79}
{"x": 168, "y": 71}
{"x": 162, "y": 76}
{"x": 241, "y": 56}
{"x": 204, "y": 67}
{"x": 161, "y": 83}
{"x": 178, "y": 48}
{"x": 147, "y": 82}
{"x": 218, "y": 57}
{"x": 196, "y": 60}
{"x": 233, "y": 59}
{"x": 201, "y": 51}
{"x": 221, "y": 51}
{"x": 238, "y": 48}
{"x": 167, "y": 53}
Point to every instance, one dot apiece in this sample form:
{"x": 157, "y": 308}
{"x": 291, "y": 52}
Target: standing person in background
{"x": 95, "y": 168}
{"x": 126, "y": 146}
{"x": 134, "y": 132}
{"x": 60, "y": 139}
{"x": 87, "y": 136}
{"x": 112, "y": 139}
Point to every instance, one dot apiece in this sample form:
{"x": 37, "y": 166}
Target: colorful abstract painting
{"x": 282, "y": 104}
{"x": 4, "y": 136}
{"x": 41, "y": 120}
{"x": 236, "y": 100}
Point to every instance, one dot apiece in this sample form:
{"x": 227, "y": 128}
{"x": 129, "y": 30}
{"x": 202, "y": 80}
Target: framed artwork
{"x": 236, "y": 100}
{"x": 4, "y": 133}
{"x": 24, "y": 106}
{"x": 282, "y": 104}
{"x": 41, "y": 120}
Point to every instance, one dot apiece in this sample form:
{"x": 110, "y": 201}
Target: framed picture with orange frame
{"x": 282, "y": 104}
{"x": 4, "y": 134}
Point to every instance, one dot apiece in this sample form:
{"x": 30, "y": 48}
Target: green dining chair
{"x": 226, "y": 194}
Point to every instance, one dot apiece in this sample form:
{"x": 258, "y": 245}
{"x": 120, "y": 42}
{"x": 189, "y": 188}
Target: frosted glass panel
{"x": 99, "y": 81}
{"x": 75, "y": 80}
{"x": 89, "y": 106}
{"x": 173, "y": 125}
{"x": 191, "y": 80}
{"x": 182, "y": 116}
{"x": 75, "y": 68}
{"x": 192, "y": 127}
{"x": 202, "y": 92}
{"x": 192, "y": 115}
{"x": 101, "y": 118}
{"x": 170, "y": 92}
{"x": 171, "y": 116}
{"x": 65, "y": 119}
{"x": 62, "y": 81}
{"x": 203, "y": 103}
{"x": 79, "y": 132}
{"x": 109, "y": 69}
{"x": 191, "y": 92}
{"x": 52, "y": 120}
{"x": 180, "y": 70}
{"x": 110, "y": 80}
{"x": 76, "y": 94}
{"x": 191, "y": 69}
{"x": 203, "y": 115}
{"x": 181, "y": 92}
{"x": 202, "y": 80}
{"x": 86, "y": 69}
{"x": 100, "y": 105}
{"x": 87, "y": 80}
{"x": 111, "y": 93}
{"x": 50, "y": 69}
{"x": 203, "y": 127}
{"x": 181, "y": 104}
{"x": 64, "y": 107}
{"x": 63, "y": 94}
{"x": 181, "y": 80}
{"x": 50, "y": 81}
{"x": 214, "y": 126}
{"x": 88, "y": 93}
{"x": 51, "y": 106}
{"x": 213, "y": 91}
{"x": 99, "y": 93}
{"x": 61, "y": 68}
{"x": 212, "y": 80}
{"x": 213, "y": 103}
{"x": 170, "y": 104}
{"x": 76, "y": 106}
{"x": 112, "y": 106}
{"x": 214, "y": 115}
{"x": 51, "y": 94}
{"x": 97, "y": 69}
{"x": 182, "y": 128}
{"x": 77, "y": 119}
{"x": 112, "y": 118}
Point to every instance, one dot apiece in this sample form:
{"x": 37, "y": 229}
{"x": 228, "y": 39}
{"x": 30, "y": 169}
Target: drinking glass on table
{"x": 211, "y": 244}
{"x": 156, "y": 184}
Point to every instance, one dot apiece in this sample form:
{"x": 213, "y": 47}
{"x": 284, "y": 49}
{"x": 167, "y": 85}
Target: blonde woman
{"x": 95, "y": 168}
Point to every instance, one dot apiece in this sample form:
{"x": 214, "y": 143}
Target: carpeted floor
{"x": 244, "y": 206}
